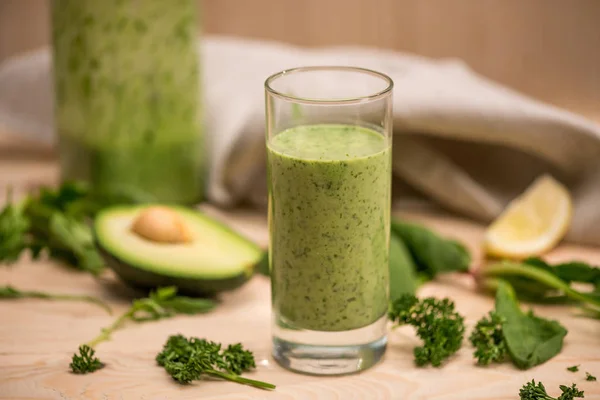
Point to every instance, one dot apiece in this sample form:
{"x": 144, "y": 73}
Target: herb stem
{"x": 523, "y": 270}
{"x": 106, "y": 332}
{"x": 242, "y": 380}
{"x": 72, "y": 297}
{"x": 8, "y": 292}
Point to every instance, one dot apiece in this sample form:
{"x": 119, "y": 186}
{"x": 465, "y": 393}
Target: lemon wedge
{"x": 533, "y": 223}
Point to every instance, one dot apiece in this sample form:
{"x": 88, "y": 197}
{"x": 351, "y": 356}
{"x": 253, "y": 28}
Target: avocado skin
{"x": 197, "y": 287}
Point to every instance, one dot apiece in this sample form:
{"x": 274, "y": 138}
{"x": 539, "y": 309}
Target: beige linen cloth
{"x": 461, "y": 141}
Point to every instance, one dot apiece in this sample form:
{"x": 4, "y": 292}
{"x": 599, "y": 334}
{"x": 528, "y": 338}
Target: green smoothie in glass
{"x": 127, "y": 100}
{"x": 330, "y": 205}
{"x": 328, "y": 140}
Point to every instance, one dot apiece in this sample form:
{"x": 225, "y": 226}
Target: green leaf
{"x": 432, "y": 253}
{"x": 60, "y": 199}
{"x": 403, "y": 279}
{"x": 8, "y": 292}
{"x": 530, "y": 340}
{"x": 572, "y": 271}
{"x": 165, "y": 301}
{"x": 263, "y": 265}
{"x": 164, "y": 293}
{"x": 574, "y": 368}
{"x": 577, "y": 271}
{"x": 488, "y": 339}
{"x": 73, "y": 240}
{"x": 14, "y": 226}
{"x": 85, "y": 362}
{"x": 187, "y": 305}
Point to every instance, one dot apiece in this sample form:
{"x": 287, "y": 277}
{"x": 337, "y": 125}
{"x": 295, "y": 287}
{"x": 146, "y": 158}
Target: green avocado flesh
{"x": 217, "y": 259}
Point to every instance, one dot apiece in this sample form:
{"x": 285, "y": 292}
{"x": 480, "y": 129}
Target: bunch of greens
{"x": 186, "y": 360}
{"x": 533, "y": 391}
{"x": 418, "y": 255}
{"x": 160, "y": 304}
{"x": 437, "y": 324}
{"x": 9, "y": 292}
{"x": 56, "y": 221}
{"x": 528, "y": 340}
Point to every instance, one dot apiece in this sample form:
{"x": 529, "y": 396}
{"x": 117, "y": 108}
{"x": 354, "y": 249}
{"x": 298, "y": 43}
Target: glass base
{"x": 329, "y": 353}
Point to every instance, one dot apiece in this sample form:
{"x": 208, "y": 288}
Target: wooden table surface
{"x": 37, "y": 338}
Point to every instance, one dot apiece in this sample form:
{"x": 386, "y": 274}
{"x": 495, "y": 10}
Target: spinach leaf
{"x": 530, "y": 340}
{"x": 263, "y": 265}
{"x": 403, "y": 278}
{"x": 432, "y": 253}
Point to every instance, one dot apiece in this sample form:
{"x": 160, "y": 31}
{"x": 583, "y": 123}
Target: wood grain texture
{"x": 37, "y": 338}
{"x": 545, "y": 48}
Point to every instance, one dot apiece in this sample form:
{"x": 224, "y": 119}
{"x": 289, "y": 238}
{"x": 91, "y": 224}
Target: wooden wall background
{"x": 549, "y": 49}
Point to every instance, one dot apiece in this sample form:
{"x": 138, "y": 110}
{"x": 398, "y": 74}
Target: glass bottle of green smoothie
{"x": 127, "y": 96}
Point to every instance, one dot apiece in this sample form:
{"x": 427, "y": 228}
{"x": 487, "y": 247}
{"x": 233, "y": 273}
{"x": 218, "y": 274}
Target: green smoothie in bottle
{"x": 127, "y": 96}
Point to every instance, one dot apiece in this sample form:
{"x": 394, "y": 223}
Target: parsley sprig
{"x": 86, "y": 361}
{"x": 488, "y": 339}
{"x": 437, "y": 324}
{"x": 55, "y": 221}
{"x": 187, "y": 360}
{"x": 533, "y": 391}
{"x": 160, "y": 304}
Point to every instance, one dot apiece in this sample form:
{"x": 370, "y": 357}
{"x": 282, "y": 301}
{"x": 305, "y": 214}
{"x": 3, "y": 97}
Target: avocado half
{"x": 217, "y": 259}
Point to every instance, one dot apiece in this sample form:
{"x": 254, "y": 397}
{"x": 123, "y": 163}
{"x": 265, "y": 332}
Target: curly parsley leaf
{"x": 533, "y": 391}
{"x": 437, "y": 324}
{"x": 187, "y": 360}
{"x": 488, "y": 339}
{"x": 85, "y": 361}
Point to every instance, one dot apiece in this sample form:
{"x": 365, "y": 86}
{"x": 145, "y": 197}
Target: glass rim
{"x": 351, "y": 100}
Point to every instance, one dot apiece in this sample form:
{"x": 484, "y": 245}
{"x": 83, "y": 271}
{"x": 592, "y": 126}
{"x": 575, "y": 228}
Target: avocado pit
{"x": 161, "y": 225}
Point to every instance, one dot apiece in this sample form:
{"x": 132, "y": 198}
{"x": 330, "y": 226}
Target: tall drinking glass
{"x": 329, "y": 136}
